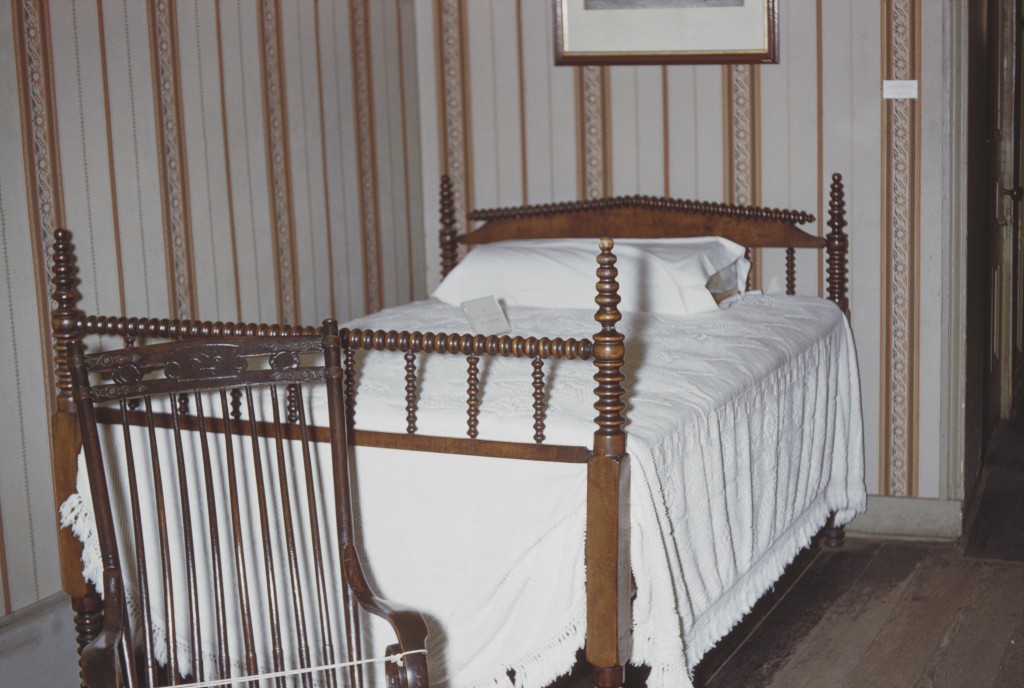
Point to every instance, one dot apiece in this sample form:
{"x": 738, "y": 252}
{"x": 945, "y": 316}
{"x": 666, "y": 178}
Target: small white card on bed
{"x": 485, "y": 316}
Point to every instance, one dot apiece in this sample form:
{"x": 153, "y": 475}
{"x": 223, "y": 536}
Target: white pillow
{"x": 665, "y": 276}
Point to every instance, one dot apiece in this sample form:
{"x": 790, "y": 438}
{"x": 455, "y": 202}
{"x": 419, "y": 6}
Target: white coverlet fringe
{"x": 744, "y": 432}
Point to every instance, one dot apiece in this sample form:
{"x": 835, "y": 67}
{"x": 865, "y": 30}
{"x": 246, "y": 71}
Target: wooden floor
{"x": 995, "y": 530}
{"x": 880, "y": 614}
{"x": 905, "y": 615}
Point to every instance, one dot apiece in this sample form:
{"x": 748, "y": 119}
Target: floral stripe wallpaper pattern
{"x": 279, "y": 159}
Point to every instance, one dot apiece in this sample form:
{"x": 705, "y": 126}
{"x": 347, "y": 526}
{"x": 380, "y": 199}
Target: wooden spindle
{"x": 609, "y": 354}
{"x": 352, "y": 649}
{"x": 790, "y": 270}
{"x": 326, "y": 634}
{"x": 350, "y": 386}
{"x": 65, "y": 313}
{"x": 88, "y": 618}
{"x": 219, "y": 603}
{"x": 129, "y": 343}
{"x": 291, "y": 550}
{"x": 448, "y": 239}
{"x": 472, "y": 396}
{"x": 410, "y": 392}
{"x": 191, "y": 585}
{"x": 236, "y": 404}
{"x": 145, "y": 600}
{"x": 837, "y": 244}
{"x": 539, "y": 411}
{"x": 336, "y": 398}
{"x": 167, "y": 577}
{"x": 293, "y": 404}
{"x": 270, "y": 574}
{"x": 238, "y": 544}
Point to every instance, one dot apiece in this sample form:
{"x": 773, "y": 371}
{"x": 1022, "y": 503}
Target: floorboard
{"x": 716, "y": 658}
{"x": 876, "y": 614}
{"x": 1011, "y": 668}
{"x": 828, "y": 653}
{"x": 755, "y": 662}
{"x": 981, "y": 631}
{"x": 917, "y": 624}
{"x": 996, "y": 527}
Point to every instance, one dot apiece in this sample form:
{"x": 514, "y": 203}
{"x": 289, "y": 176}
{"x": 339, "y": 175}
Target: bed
{"x": 580, "y": 539}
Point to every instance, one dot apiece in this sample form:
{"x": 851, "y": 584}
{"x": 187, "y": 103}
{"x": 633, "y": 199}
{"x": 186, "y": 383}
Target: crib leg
{"x": 609, "y": 677}
{"x": 88, "y": 617}
{"x": 834, "y": 535}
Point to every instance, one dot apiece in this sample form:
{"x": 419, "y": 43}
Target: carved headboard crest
{"x": 795, "y": 217}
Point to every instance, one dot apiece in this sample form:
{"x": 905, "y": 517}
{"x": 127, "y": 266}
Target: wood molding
{"x": 907, "y": 517}
{"x": 954, "y": 259}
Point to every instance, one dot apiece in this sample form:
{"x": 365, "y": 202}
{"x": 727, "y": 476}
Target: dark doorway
{"x": 995, "y": 286}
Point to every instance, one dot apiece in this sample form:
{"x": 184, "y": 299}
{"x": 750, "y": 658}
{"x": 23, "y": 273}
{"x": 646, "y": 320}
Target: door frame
{"x": 1008, "y": 216}
{"x": 954, "y": 254}
{"x": 965, "y": 396}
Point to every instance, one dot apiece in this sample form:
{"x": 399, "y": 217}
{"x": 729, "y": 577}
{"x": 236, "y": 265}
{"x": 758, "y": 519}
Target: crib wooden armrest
{"x": 101, "y": 660}
{"x": 409, "y": 625}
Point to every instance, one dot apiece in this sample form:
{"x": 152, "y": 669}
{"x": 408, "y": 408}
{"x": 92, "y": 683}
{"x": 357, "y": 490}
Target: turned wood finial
{"x": 836, "y": 243}
{"x": 449, "y": 243}
{"x": 64, "y": 312}
{"x": 609, "y": 354}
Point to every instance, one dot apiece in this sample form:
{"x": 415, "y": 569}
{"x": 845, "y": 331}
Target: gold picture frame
{"x": 666, "y": 31}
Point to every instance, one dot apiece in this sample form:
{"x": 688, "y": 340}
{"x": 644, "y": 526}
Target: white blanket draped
{"x": 744, "y": 431}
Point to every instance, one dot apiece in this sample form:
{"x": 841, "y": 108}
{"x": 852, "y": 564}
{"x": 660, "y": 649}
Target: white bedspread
{"x": 744, "y": 432}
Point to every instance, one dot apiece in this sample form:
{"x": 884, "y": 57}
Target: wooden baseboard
{"x": 902, "y": 517}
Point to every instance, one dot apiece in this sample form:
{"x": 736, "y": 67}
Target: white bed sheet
{"x": 744, "y": 431}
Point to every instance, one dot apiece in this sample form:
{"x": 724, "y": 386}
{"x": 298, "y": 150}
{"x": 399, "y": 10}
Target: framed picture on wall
{"x": 665, "y": 31}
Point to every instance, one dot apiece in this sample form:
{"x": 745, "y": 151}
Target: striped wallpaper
{"x": 279, "y": 160}
{"x": 239, "y": 160}
{"x": 511, "y": 128}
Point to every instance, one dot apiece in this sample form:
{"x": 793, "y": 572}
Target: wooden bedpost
{"x": 449, "y": 242}
{"x": 607, "y": 547}
{"x": 66, "y": 438}
{"x": 836, "y": 243}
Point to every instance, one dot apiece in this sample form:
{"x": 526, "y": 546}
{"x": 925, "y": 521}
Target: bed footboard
{"x": 608, "y": 522}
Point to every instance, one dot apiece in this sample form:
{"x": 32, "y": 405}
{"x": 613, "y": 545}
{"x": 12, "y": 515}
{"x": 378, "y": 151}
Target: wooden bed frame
{"x": 607, "y": 521}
